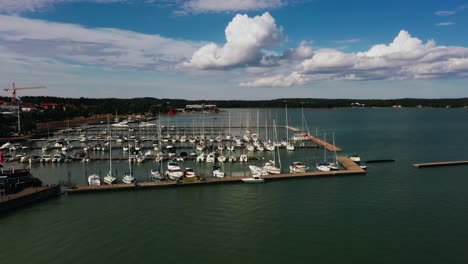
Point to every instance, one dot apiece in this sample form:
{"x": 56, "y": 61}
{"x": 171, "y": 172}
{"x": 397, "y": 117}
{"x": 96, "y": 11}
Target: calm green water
{"x": 394, "y": 214}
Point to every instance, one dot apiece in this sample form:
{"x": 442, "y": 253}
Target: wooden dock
{"x": 438, "y": 164}
{"x": 323, "y": 143}
{"x": 351, "y": 168}
{"x": 27, "y": 196}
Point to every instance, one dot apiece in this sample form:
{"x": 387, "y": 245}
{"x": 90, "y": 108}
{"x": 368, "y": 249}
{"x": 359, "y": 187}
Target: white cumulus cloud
{"x": 406, "y": 57}
{"x": 245, "y": 39}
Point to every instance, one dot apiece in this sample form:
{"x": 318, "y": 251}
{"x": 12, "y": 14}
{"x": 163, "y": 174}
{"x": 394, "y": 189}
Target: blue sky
{"x": 245, "y": 49}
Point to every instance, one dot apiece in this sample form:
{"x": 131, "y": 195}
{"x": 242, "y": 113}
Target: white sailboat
{"x": 289, "y": 146}
{"x": 110, "y": 179}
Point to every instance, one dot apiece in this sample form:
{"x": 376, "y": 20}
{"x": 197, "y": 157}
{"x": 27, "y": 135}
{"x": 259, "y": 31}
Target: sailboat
{"x": 324, "y": 166}
{"x": 110, "y": 179}
{"x": 289, "y": 146}
{"x": 334, "y": 165}
{"x": 128, "y": 178}
{"x": 270, "y": 166}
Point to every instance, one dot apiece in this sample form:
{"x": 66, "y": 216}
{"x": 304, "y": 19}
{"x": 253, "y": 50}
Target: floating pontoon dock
{"x": 438, "y": 164}
{"x": 351, "y": 168}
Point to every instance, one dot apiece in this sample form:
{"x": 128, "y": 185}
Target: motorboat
{"x": 210, "y": 158}
{"x": 255, "y": 170}
{"x": 355, "y": 158}
{"x": 222, "y": 158}
{"x": 250, "y": 147}
{"x": 189, "y": 173}
{"x": 271, "y": 168}
{"x": 121, "y": 124}
{"x": 230, "y": 147}
{"x": 253, "y": 179}
{"x": 217, "y": 172}
{"x": 298, "y": 167}
{"x": 299, "y": 137}
{"x": 232, "y": 159}
{"x": 173, "y": 171}
{"x": 94, "y": 180}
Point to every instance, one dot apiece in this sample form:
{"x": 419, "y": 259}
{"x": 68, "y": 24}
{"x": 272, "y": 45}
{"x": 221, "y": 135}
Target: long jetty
{"x": 351, "y": 168}
{"x": 322, "y": 143}
{"x": 438, "y": 164}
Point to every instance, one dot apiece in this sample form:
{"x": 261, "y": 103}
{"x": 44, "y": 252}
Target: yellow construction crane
{"x": 21, "y": 88}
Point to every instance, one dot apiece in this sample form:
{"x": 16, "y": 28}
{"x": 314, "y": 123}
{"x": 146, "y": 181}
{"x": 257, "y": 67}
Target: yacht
{"x": 94, "y": 180}
{"x": 254, "y": 179}
{"x": 121, "y": 124}
{"x": 298, "y": 167}
{"x": 189, "y": 173}
{"x": 271, "y": 168}
{"x": 217, "y": 172}
{"x": 255, "y": 170}
{"x": 173, "y": 171}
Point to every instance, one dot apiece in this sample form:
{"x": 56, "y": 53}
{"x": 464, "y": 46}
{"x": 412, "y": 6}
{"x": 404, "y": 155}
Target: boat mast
{"x": 336, "y": 158}
{"x": 229, "y": 123}
{"x": 324, "y": 148}
{"x": 110, "y": 148}
{"x": 287, "y": 127}
{"x": 258, "y": 135}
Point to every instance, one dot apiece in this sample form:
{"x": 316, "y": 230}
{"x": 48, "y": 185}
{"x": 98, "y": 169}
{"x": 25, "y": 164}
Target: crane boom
{"x": 21, "y": 88}
{"x": 24, "y": 88}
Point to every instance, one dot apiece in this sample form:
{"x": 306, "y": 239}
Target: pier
{"x": 27, "y": 196}
{"x": 439, "y": 164}
{"x": 351, "y": 168}
{"x": 322, "y": 143}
